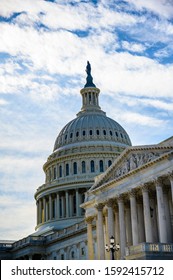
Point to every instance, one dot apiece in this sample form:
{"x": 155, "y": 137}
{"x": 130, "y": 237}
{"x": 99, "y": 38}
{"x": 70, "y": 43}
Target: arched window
{"x": 75, "y": 168}
{"x": 91, "y": 132}
{"x": 83, "y": 133}
{"x": 104, "y": 132}
{"x": 109, "y": 162}
{"x": 97, "y": 131}
{"x": 83, "y": 167}
{"x": 54, "y": 173}
{"x": 60, "y": 171}
{"x": 92, "y": 166}
{"x": 110, "y": 133}
{"x": 101, "y": 166}
{"x": 67, "y": 169}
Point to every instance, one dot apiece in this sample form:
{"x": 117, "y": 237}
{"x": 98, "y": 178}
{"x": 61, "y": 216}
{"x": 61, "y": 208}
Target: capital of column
{"x": 89, "y": 219}
{"x": 131, "y": 193}
{"x": 170, "y": 175}
{"x": 157, "y": 182}
{"x": 145, "y": 187}
{"x": 120, "y": 198}
{"x": 110, "y": 202}
{"x": 99, "y": 206}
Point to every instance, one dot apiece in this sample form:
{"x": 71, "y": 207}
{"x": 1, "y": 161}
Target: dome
{"x": 92, "y": 127}
{"x": 91, "y": 123}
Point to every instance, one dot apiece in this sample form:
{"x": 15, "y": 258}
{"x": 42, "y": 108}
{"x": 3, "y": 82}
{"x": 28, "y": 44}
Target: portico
{"x": 138, "y": 204}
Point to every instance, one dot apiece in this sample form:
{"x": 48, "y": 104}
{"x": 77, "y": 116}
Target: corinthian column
{"x": 111, "y": 224}
{"x": 122, "y": 226}
{"x": 170, "y": 175}
{"x": 100, "y": 232}
{"x": 89, "y": 221}
{"x": 134, "y": 220}
{"x": 161, "y": 211}
{"x": 147, "y": 216}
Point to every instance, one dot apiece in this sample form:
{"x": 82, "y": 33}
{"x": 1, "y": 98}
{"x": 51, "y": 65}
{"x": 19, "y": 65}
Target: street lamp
{"x": 112, "y": 247}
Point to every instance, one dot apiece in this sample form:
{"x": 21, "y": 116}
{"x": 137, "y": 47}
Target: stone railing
{"x": 150, "y": 247}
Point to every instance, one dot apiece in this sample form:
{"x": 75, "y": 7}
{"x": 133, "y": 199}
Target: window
{"x": 116, "y": 133}
{"x": 101, "y": 166}
{"x": 83, "y": 133}
{"x": 53, "y": 208}
{"x": 92, "y": 166}
{"x": 60, "y": 171}
{"x": 109, "y": 162}
{"x": 98, "y": 132}
{"x": 67, "y": 169}
{"x": 71, "y": 135}
{"x": 104, "y": 132}
{"x": 110, "y": 132}
{"x": 77, "y": 133}
{"x": 83, "y": 167}
{"x": 91, "y": 132}
{"x": 54, "y": 173}
{"x": 83, "y": 251}
{"x": 62, "y": 256}
{"x": 75, "y": 167}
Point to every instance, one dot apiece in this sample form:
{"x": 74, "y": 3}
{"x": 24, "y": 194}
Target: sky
{"x": 44, "y": 49}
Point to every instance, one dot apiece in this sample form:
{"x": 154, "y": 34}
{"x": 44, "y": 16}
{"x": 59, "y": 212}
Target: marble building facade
{"x": 98, "y": 185}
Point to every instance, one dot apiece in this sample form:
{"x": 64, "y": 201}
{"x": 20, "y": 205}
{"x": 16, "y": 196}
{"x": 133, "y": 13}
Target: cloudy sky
{"x": 44, "y": 47}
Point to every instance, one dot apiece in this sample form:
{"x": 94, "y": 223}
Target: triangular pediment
{"x": 131, "y": 160}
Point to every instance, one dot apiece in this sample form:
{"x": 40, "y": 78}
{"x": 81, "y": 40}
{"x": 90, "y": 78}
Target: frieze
{"x": 134, "y": 161}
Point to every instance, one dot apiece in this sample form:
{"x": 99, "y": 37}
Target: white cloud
{"x": 133, "y": 47}
{"x": 162, "y": 8}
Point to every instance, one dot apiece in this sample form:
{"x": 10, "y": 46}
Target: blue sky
{"x": 44, "y": 47}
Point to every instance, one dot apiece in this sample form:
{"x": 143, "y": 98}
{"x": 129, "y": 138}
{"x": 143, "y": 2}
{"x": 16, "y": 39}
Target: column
{"x": 70, "y": 204}
{"x": 57, "y": 206}
{"x": 161, "y": 212}
{"x": 134, "y": 218}
{"x": 50, "y": 207}
{"x": 89, "y": 221}
{"x": 44, "y": 208}
{"x": 67, "y": 204}
{"x": 40, "y": 211}
{"x": 153, "y": 215}
{"x": 170, "y": 175}
{"x": 77, "y": 203}
{"x": 128, "y": 226}
{"x": 100, "y": 232}
{"x": 147, "y": 216}
{"x": 63, "y": 206}
{"x": 168, "y": 216}
{"x": 122, "y": 227}
{"x": 47, "y": 211}
{"x": 37, "y": 212}
{"x": 141, "y": 228}
{"x": 111, "y": 224}
{"x": 117, "y": 232}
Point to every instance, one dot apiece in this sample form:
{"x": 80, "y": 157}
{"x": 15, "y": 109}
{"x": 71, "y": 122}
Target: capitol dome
{"x": 83, "y": 150}
{"x": 92, "y": 127}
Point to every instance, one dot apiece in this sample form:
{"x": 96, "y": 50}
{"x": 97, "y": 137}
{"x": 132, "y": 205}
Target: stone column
{"x": 134, "y": 218}
{"x": 63, "y": 206}
{"x": 128, "y": 226}
{"x": 70, "y": 204}
{"x": 168, "y": 216}
{"x": 153, "y": 215}
{"x": 37, "y": 212}
{"x": 44, "y": 208}
{"x": 50, "y": 207}
{"x": 67, "y": 204}
{"x": 117, "y": 231}
{"x": 170, "y": 175}
{"x": 89, "y": 221}
{"x": 161, "y": 212}
{"x": 147, "y": 215}
{"x": 122, "y": 226}
{"x": 77, "y": 203}
{"x": 40, "y": 210}
{"x": 100, "y": 232}
{"x": 47, "y": 211}
{"x": 111, "y": 224}
{"x": 141, "y": 228}
{"x": 57, "y": 206}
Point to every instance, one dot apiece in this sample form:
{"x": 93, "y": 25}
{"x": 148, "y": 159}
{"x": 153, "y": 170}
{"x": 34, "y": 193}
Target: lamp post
{"x": 112, "y": 247}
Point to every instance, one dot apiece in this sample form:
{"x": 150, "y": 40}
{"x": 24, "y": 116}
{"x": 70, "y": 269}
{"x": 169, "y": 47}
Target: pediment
{"x": 131, "y": 160}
